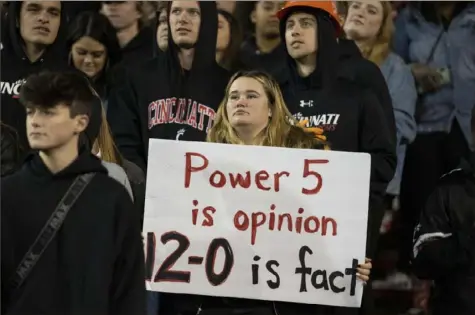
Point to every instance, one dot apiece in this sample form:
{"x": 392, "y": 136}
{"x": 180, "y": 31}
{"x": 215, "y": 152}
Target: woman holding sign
{"x": 253, "y": 113}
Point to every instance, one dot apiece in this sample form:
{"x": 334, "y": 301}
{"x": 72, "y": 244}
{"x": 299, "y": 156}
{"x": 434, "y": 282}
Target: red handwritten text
{"x": 310, "y": 225}
{"x": 196, "y": 162}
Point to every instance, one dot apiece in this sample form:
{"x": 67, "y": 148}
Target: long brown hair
{"x": 105, "y": 143}
{"x": 230, "y": 58}
{"x": 281, "y": 131}
{"x": 380, "y": 47}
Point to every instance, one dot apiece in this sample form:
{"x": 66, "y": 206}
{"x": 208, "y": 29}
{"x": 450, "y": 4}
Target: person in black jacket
{"x": 33, "y": 39}
{"x": 175, "y": 95}
{"x": 318, "y": 90}
{"x": 135, "y": 36}
{"x": 95, "y": 262}
{"x": 263, "y": 50}
{"x": 444, "y": 240}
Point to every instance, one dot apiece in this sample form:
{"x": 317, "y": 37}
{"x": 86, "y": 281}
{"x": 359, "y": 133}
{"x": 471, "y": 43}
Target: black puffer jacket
{"x": 444, "y": 242}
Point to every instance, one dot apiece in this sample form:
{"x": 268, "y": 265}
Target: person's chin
{"x": 353, "y": 33}
{"x": 298, "y": 54}
{"x": 185, "y": 44}
{"x": 91, "y": 74}
{"x": 272, "y": 33}
{"x": 41, "y": 40}
{"x": 239, "y": 122}
{"x": 35, "y": 145}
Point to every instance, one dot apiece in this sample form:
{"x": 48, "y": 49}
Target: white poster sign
{"x": 256, "y": 222}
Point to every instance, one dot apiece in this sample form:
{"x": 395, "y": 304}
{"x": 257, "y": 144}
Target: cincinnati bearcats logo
{"x": 180, "y": 133}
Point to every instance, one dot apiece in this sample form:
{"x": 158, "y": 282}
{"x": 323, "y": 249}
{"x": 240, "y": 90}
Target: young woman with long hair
{"x": 228, "y": 42}
{"x": 104, "y": 147}
{"x": 94, "y": 49}
{"x": 253, "y": 112}
{"x": 370, "y": 25}
{"x": 266, "y": 122}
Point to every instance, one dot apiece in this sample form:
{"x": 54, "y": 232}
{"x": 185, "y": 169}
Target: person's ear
{"x": 82, "y": 121}
{"x": 270, "y": 113}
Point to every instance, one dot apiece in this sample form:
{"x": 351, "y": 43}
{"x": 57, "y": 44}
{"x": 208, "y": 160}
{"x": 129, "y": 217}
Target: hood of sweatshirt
{"x": 205, "y": 47}
{"x": 167, "y": 101}
{"x": 204, "y": 58}
{"x": 13, "y": 44}
{"x": 86, "y": 162}
{"x": 140, "y": 48}
{"x": 326, "y": 56}
{"x": 16, "y": 67}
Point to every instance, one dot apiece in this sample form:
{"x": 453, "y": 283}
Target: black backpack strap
{"x": 48, "y": 232}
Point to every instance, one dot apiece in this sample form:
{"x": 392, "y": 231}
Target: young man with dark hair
{"x": 318, "y": 89}
{"x": 71, "y": 239}
{"x": 444, "y": 240}
{"x": 32, "y": 40}
{"x": 175, "y": 95}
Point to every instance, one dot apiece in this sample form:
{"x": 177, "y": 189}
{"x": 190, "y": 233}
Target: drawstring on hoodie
{"x": 199, "y": 309}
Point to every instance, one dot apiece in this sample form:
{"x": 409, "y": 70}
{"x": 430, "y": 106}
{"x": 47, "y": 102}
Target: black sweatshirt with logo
{"x": 94, "y": 264}
{"x": 353, "y": 119}
{"x": 161, "y": 100}
{"x": 16, "y": 67}
{"x": 351, "y": 116}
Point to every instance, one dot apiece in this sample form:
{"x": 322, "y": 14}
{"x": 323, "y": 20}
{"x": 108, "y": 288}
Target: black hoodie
{"x": 140, "y": 49}
{"x": 16, "y": 67}
{"x": 444, "y": 242}
{"x": 253, "y": 59}
{"x": 351, "y": 116}
{"x": 353, "y": 120}
{"x": 161, "y": 100}
{"x": 94, "y": 265}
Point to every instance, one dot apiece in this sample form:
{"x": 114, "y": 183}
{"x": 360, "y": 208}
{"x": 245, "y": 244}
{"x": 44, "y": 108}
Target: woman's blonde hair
{"x": 378, "y": 50}
{"x": 105, "y": 143}
{"x": 281, "y": 131}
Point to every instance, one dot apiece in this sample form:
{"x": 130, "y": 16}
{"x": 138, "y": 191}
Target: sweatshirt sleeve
{"x": 376, "y": 139}
{"x": 402, "y": 88}
{"x": 438, "y": 248}
{"x": 128, "y": 283}
{"x": 123, "y": 115}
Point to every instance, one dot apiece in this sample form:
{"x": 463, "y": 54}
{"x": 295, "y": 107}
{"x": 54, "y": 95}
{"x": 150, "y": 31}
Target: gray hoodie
{"x": 117, "y": 172}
